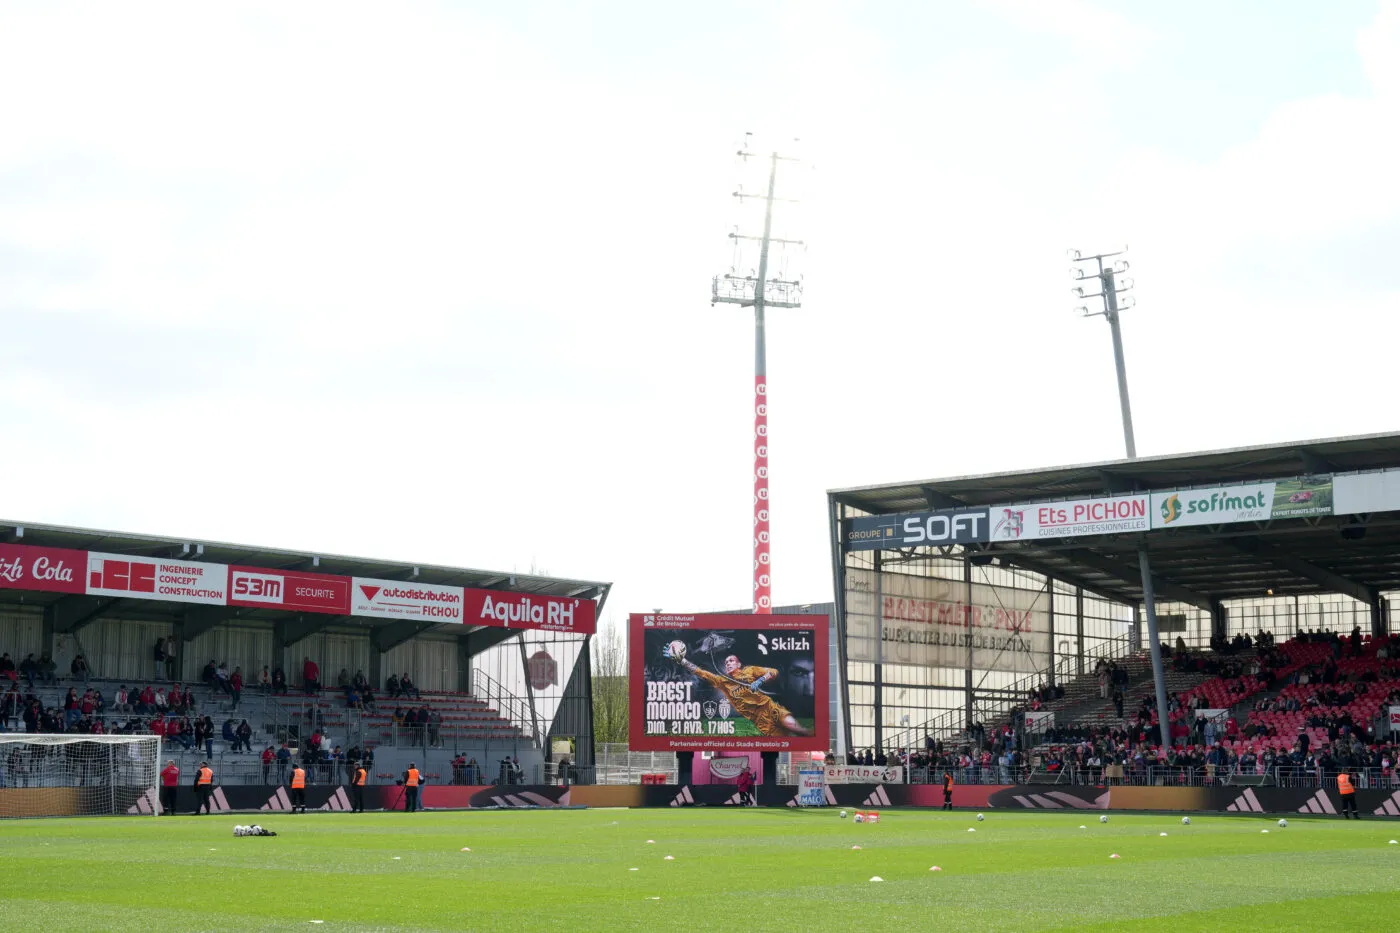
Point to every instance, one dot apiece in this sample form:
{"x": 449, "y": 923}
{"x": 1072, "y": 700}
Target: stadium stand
{"x": 201, "y": 721}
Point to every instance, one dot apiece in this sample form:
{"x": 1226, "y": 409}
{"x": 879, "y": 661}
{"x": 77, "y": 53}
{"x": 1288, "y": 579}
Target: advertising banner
{"x": 915, "y": 529}
{"x": 278, "y": 589}
{"x": 926, "y": 621}
{"x": 1251, "y": 502}
{"x": 1071, "y": 518}
{"x": 528, "y": 610}
{"x": 156, "y": 578}
{"x": 864, "y": 774}
{"x": 811, "y": 788}
{"x": 1395, "y": 720}
{"x": 415, "y": 602}
{"x": 727, "y": 681}
{"x": 1038, "y": 722}
{"x": 52, "y": 570}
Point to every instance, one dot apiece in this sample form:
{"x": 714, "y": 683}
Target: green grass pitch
{"x": 749, "y": 870}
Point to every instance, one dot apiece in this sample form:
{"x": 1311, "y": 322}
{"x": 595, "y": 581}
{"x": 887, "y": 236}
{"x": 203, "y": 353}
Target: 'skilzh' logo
{"x": 1171, "y": 509}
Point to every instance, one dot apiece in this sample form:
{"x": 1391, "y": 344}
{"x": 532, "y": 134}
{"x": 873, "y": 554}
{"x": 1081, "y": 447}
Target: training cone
{"x": 935, "y": 868}
{"x": 877, "y": 878}
{"x": 1115, "y": 855}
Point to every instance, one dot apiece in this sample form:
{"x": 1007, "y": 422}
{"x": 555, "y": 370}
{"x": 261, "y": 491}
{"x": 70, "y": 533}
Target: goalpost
{"x": 78, "y": 775}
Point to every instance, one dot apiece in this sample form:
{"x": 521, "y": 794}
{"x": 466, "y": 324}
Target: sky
{"x": 430, "y": 282}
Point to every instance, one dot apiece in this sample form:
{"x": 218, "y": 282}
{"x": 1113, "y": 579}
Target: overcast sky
{"x": 431, "y": 282}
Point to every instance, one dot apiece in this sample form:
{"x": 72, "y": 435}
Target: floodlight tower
{"x": 754, "y": 288}
{"x": 1110, "y": 288}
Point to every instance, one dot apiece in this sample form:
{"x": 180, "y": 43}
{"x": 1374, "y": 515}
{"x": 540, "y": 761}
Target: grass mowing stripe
{"x": 568, "y": 870}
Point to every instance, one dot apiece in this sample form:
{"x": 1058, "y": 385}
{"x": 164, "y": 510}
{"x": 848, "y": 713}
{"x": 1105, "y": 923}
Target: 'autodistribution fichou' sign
{"x": 728, "y": 681}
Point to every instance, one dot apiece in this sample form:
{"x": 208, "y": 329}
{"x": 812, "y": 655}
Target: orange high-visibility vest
{"x": 298, "y": 779}
{"x": 360, "y": 776}
{"x": 206, "y": 776}
{"x": 412, "y": 777}
{"x": 1344, "y": 784}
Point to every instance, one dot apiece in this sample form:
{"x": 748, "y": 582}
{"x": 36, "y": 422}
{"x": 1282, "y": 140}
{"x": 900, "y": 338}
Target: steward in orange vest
{"x": 299, "y": 789}
{"x": 204, "y": 789}
{"x": 411, "y": 779}
{"x": 1348, "y": 794}
{"x": 357, "y": 789}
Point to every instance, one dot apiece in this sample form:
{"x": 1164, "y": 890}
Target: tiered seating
{"x": 465, "y": 719}
{"x": 1287, "y": 725}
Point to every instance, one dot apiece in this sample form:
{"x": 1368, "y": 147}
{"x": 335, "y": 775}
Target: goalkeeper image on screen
{"x": 741, "y": 685}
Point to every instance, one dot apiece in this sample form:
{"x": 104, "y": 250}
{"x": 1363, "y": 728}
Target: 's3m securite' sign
{"x": 303, "y": 592}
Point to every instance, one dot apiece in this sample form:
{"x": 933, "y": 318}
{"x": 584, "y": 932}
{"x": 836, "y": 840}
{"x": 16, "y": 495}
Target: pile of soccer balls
{"x": 252, "y": 831}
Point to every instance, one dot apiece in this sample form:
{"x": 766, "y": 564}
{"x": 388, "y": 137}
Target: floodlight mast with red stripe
{"x": 757, "y": 290}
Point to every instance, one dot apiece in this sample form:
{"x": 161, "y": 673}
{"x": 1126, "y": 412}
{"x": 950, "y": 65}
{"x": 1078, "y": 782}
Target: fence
{"x": 614, "y": 764}
{"x": 1161, "y": 776}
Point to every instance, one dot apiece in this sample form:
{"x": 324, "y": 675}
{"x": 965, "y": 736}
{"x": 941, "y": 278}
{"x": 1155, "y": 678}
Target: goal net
{"x": 78, "y": 775}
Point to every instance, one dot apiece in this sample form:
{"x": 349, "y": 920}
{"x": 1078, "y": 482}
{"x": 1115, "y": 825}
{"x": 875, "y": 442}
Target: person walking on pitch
{"x": 169, "y": 784}
{"x": 204, "y": 789}
{"x": 1347, "y": 790}
{"x": 357, "y": 789}
{"x": 299, "y": 788}
{"x": 411, "y": 780}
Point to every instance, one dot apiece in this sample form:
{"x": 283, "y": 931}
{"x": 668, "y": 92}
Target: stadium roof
{"x": 271, "y": 558}
{"x": 1356, "y": 555}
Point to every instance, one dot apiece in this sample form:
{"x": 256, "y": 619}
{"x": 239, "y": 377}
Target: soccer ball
{"x": 1104, "y": 818}
{"x": 843, "y": 814}
{"x": 255, "y": 830}
{"x": 859, "y": 818}
{"x": 1186, "y": 821}
{"x": 677, "y": 649}
{"x": 1283, "y": 823}
{"x": 240, "y": 830}
{"x": 980, "y": 817}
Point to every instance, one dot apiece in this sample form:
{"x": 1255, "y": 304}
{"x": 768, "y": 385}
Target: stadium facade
{"x": 516, "y": 644}
{"x": 955, "y": 597}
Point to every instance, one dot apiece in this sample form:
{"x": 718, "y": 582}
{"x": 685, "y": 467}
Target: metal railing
{"x": 614, "y": 764}
{"x": 986, "y": 709}
{"x": 1162, "y": 776}
{"x": 511, "y": 707}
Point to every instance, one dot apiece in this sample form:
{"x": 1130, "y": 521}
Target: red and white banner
{"x": 52, "y": 570}
{"x": 417, "y": 602}
{"x": 300, "y": 592}
{"x": 57, "y": 570}
{"x": 498, "y": 608}
{"x": 1070, "y": 519}
{"x": 762, "y": 557}
{"x": 1394, "y": 720}
{"x": 156, "y": 578}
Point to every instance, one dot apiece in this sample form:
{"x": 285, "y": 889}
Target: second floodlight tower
{"x": 1107, "y": 271}
{"x": 768, "y": 285}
